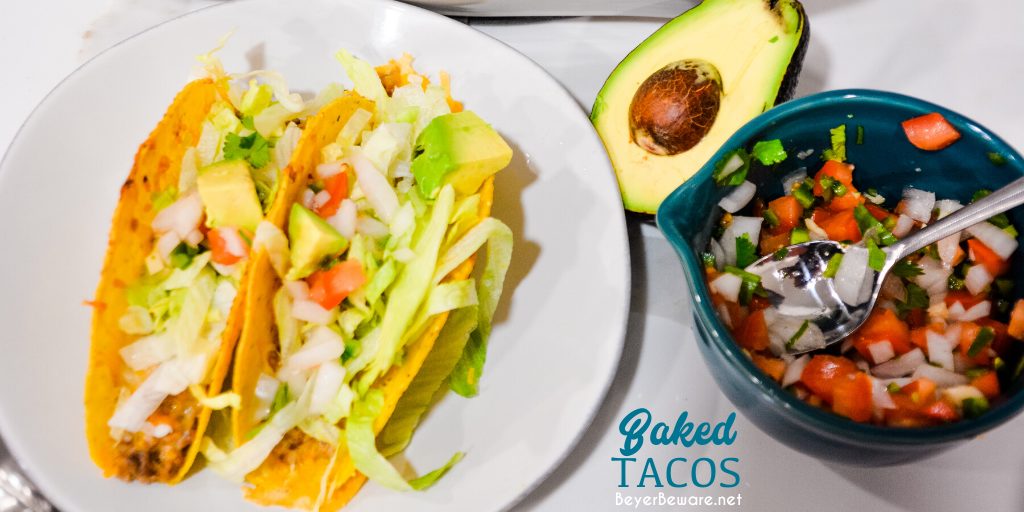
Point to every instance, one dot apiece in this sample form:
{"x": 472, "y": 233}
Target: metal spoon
{"x": 803, "y": 297}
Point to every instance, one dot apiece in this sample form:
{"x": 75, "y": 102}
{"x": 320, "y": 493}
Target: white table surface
{"x": 969, "y": 57}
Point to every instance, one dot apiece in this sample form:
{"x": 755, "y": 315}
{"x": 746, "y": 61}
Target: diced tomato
{"x": 852, "y": 397}
{"x": 958, "y": 256}
{"x": 221, "y": 241}
{"x": 941, "y": 410}
{"x": 917, "y": 317}
{"x": 988, "y": 384}
{"x": 822, "y": 372}
{"x": 876, "y": 211}
{"x": 758, "y": 303}
{"x": 906, "y": 414}
{"x": 789, "y": 212}
{"x": 841, "y": 227}
{"x": 882, "y": 325}
{"x": 160, "y": 418}
{"x": 982, "y": 255}
{"x": 965, "y": 298}
{"x": 968, "y": 333}
{"x": 772, "y": 243}
{"x": 847, "y": 201}
{"x": 839, "y": 171}
{"x": 921, "y": 391}
{"x": 772, "y": 366}
{"x": 1001, "y": 343}
{"x": 329, "y": 287}
{"x": 930, "y": 132}
{"x": 337, "y": 187}
{"x": 753, "y": 335}
{"x": 1016, "y": 327}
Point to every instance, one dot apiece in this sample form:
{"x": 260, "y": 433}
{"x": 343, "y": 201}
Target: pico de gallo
{"x": 940, "y": 344}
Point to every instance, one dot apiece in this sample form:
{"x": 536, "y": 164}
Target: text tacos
{"x": 169, "y": 305}
{"x": 366, "y": 306}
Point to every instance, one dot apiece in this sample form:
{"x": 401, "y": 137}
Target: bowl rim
{"x": 825, "y": 423}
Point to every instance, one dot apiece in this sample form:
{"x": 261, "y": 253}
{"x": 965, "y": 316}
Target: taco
{"x": 168, "y": 309}
{"x": 371, "y": 307}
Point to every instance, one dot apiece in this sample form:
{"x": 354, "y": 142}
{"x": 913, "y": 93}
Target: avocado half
{"x": 675, "y": 99}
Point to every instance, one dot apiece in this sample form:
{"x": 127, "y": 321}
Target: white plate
{"x": 560, "y": 327}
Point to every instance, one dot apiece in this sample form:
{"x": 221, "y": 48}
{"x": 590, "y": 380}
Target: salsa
{"x": 939, "y": 346}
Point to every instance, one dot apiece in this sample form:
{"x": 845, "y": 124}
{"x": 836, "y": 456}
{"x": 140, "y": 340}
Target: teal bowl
{"x": 886, "y": 161}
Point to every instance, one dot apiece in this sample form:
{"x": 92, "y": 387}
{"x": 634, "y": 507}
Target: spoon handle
{"x": 995, "y": 203}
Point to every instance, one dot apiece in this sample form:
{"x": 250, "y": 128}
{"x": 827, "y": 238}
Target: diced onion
{"x": 323, "y": 345}
{"x": 328, "y": 169}
{"x": 723, "y": 313}
{"x": 947, "y": 248}
{"x": 266, "y": 390}
{"x": 881, "y": 351}
{"x": 166, "y": 243}
{"x": 319, "y": 199}
{"x": 181, "y": 216}
{"x": 795, "y": 370}
{"x": 977, "y": 279}
{"x": 375, "y": 186}
{"x": 728, "y": 286}
{"x": 732, "y": 165}
{"x": 312, "y": 312}
{"x": 946, "y": 207}
{"x": 738, "y": 197}
{"x": 404, "y": 254}
{"x": 918, "y": 204}
{"x": 716, "y": 249}
{"x": 234, "y": 244}
{"x": 880, "y": 397}
{"x": 285, "y": 144}
{"x": 996, "y": 239}
{"x": 853, "y": 271}
{"x": 942, "y": 378}
{"x": 901, "y": 365}
{"x": 939, "y": 350}
{"x": 371, "y": 227}
{"x": 750, "y": 226}
{"x": 977, "y": 311}
{"x": 299, "y": 290}
{"x": 934, "y": 276}
{"x": 328, "y": 380}
{"x": 309, "y": 199}
{"x": 903, "y": 226}
{"x": 793, "y": 178}
{"x": 814, "y": 230}
{"x": 194, "y": 238}
{"x": 958, "y": 393}
{"x": 344, "y": 220}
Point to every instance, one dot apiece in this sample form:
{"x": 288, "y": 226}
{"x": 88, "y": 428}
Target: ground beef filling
{"x": 148, "y": 459}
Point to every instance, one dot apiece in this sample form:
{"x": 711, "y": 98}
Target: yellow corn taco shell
{"x": 294, "y": 473}
{"x": 156, "y": 168}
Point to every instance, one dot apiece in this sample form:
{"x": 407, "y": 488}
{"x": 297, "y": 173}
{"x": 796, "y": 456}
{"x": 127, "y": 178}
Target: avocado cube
{"x": 312, "y": 241}
{"x": 458, "y": 149}
{"x": 229, "y": 195}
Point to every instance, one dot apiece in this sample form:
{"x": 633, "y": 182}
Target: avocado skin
{"x": 796, "y": 63}
{"x": 646, "y": 178}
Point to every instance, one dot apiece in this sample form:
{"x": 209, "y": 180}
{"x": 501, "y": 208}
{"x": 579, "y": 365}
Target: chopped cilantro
{"x": 751, "y": 284}
{"x": 771, "y": 218}
{"x": 876, "y": 256}
{"x": 907, "y": 269}
{"x": 838, "y": 150}
{"x": 253, "y": 148}
{"x": 996, "y": 158}
{"x": 974, "y": 406}
{"x": 247, "y": 122}
{"x": 352, "y": 348}
{"x": 799, "y": 333}
{"x": 769, "y": 151}
{"x": 833, "y": 265}
{"x": 746, "y": 252}
{"x": 799, "y": 235}
{"x": 781, "y": 253}
{"x": 916, "y": 298}
{"x": 732, "y": 169}
{"x": 982, "y": 340}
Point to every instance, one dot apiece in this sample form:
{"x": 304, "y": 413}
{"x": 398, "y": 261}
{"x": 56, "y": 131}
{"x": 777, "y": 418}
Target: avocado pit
{"x": 675, "y": 107}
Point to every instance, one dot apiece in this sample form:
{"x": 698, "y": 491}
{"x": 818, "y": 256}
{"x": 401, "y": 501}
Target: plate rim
{"x": 37, "y": 475}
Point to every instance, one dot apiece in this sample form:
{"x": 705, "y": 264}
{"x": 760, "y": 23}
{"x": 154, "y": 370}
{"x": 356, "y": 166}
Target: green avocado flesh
{"x": 229, "y": 195}
{"x": 312, "y": 241}
{"x": 756, "y": 47}
{"x": 458, "y": 149}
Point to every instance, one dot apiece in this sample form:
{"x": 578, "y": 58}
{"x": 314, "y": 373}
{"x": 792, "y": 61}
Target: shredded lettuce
{"x": 387, "y": 143}
{"x": 320, "y": 429}
{"x": 353, "y": 128}
{"x": 411, "y": 286}
{"x": 438, "y": 365}
{"x": 380, "y": 281}
{"x": 363, "y": 76}
{"x": 287, "y": 325}
{"x": 215, "y": 402}
{"x": 136, "y": 320}
{"x": 426, "y": 481}
{"x": 270, "y": 238}
{"x": 189, "y": 170}
{"x": 362, "y": 443}
{"x": 453, "y": 295}
{"x": 189, "y": 323}
{"x": 183, "y": 277}
{"x": 341, "y": 406}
